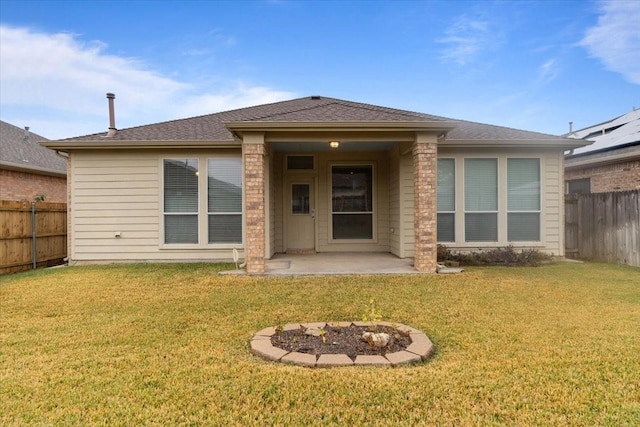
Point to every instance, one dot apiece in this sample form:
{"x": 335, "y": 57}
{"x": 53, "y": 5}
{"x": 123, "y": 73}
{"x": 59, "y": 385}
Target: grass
{"x": 168, "y": 345}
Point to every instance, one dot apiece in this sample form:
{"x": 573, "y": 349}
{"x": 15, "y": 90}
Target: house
{"x": 308, "y": 175}
{"x": 29, "y": 171}
{"x": 611, "y": 162}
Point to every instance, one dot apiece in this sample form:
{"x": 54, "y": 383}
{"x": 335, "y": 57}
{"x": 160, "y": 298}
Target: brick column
{"x": 425, "y": 178}
{"x": 254, "y": 245}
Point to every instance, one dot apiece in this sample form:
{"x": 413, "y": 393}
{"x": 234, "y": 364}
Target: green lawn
{"x": 169, "y": 345}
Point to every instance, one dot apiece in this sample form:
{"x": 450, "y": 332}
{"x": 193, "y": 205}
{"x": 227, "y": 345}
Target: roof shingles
{"x": 24, "y": 150}
{"x": 212, "y": 127}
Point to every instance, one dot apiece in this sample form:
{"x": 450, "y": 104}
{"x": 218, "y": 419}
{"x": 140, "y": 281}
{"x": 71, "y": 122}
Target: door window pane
{"x": 300, "y": 199}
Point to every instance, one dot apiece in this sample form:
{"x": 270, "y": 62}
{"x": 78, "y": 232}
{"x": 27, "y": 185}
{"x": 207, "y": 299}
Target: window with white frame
{"x": 181, "y": 201}
{"x": 184, "y": 206}
{"x": 523, "y": 200}
{"x": 446, "y": 200}
{"x": 481, "y": 200}
{"x": 224, "y": 199}
{"x": 352, "y": 202}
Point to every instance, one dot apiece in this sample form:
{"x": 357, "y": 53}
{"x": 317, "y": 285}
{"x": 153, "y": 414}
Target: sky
{"x": 534, "y": 65}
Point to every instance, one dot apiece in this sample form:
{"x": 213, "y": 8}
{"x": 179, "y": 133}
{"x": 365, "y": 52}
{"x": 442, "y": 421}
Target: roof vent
{"x": 315, "y": 97}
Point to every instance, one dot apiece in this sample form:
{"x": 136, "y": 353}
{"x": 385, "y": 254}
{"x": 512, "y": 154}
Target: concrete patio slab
{"x": 338, "y": 264}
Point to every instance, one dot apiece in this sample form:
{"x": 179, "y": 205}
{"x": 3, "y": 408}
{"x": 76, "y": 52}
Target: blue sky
{"x": 530, "y": 65}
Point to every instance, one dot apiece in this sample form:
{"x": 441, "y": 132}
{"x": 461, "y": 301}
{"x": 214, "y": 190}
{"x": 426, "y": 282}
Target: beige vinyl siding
{"x": 119, "y": 191}
{"x": 552, "y": 228}
{"x": 270, "y": 207}
{"x": 407, "y": 228}
{"x": 553, "y": 202}
{"x": 401, "y": 228}
{"x": 394, "y": 203}
{"x": 277, "y": 200}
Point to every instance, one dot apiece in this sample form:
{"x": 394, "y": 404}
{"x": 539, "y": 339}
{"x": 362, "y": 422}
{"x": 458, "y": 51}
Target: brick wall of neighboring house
{"x": 615, "y": 177}
{"x": 22, "y": 186}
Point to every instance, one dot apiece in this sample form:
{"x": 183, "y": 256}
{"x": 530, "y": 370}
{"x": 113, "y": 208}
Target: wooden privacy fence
{"x": 603, "y": 227}
{"x": 32, "y": 235}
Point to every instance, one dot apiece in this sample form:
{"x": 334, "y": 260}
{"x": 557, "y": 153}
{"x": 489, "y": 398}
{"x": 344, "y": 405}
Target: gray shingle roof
{"x": 26, "y": 152}
{"x": 309, "y": 109}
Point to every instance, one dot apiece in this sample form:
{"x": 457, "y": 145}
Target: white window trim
{"x": 498, "y": 204}
{"x": 455, "y": 199}
{"x": 374, "y": 222}
{"x": 502, "y": 201}
{"x": 540, "y": 203}
{"x": 203, "y": 211}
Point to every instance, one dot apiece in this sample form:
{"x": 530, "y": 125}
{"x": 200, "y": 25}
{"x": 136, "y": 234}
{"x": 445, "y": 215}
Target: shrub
{"x": 507, "y": 256}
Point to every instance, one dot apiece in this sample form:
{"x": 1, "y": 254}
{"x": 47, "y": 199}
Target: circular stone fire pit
{"x": 416, "y": 348}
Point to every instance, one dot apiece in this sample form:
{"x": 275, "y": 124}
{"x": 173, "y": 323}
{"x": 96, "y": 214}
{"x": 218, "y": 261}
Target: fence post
{"x": 34, "y": 255}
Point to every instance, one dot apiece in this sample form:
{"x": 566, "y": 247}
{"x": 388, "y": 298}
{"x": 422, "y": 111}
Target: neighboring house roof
{"x": 614, "y": 141}
{"x": 21, "y": 150}
{"x": 323, "y": 112}
{"x": 610, "y": 134}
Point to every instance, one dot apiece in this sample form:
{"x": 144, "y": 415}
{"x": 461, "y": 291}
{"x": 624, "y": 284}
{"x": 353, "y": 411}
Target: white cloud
{"x": 239, "y": 96}
{"x": 60, "y": 82}
{"x": 615, "y": 39}
{"x": 467, "y": 38}
{"x": 548, "y": 71}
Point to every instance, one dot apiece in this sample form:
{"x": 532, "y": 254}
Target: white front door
{"x": 300, "y": 216}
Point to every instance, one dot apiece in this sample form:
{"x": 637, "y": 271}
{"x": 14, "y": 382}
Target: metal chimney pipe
{"x": 112, "y": 116}
{"x": 570, "y": 127}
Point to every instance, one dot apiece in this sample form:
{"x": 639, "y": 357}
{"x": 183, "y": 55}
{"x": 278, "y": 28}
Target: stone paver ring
{"x": 420, "y": 348}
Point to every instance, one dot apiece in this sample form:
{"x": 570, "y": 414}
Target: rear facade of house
{"x": 311, "y": 175}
